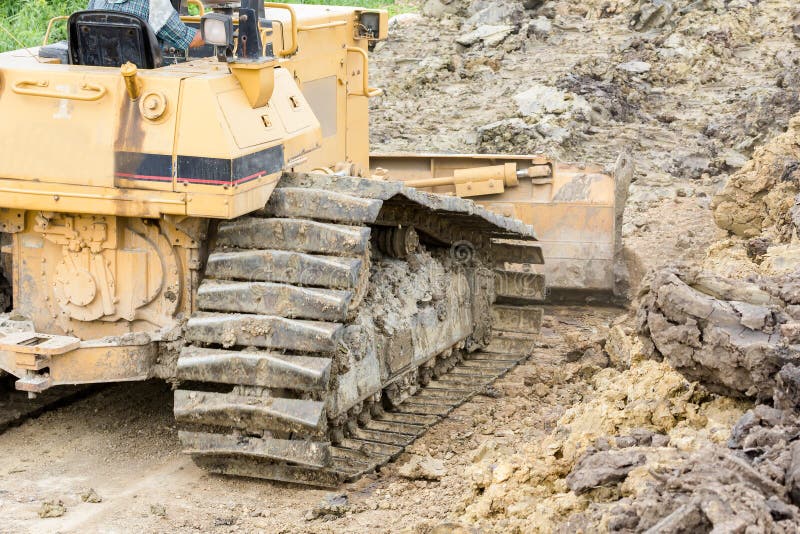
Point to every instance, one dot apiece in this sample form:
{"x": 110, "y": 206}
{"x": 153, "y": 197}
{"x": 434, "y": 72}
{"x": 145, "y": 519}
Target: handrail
{"x": 201, "y": 8}
{"x": 324, "y": 25}
{"x": 368, "y": 91}
{"x": 293, "y": 16}
{"x": 50, "y": 27}
{"x": 27, "y": 87}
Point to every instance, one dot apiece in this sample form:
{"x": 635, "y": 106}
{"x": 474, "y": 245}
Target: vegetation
{"x": 24, "y": 22}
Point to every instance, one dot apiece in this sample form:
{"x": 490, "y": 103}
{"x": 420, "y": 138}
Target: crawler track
{"x": 278, "y": 382}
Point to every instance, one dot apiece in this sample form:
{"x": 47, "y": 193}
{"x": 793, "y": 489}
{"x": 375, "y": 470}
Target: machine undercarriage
{"x": 315, "y": 313}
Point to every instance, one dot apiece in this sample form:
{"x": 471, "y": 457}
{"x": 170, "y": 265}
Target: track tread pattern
{"x": 267, "y": 426}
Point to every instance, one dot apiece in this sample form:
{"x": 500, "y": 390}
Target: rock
{"x": 405, "y": 20}
{"x": 158, "y": 510}
{"x": 753, "y": 316}
{"x": 652, "y": 14}
{"x": 624, "y": 442}
{"x": 502, "y": 472}
{"x": 793, "y": 474}
{"x": 90, "y": 495}
{"x": 333, "y": 504}
{"x": 620, "y": 347}
{"x": 728, "y": 345}
{"x": 787, "y": 387}
{"x": 552, "y": 133}
{"x": 541, "y": 99}
{"x": 781, "y": 511}
{"x": 757, "y": 247}
{"x": 634, "y": 67}
{"x": 440, "y": 8}
{"x": 54, "y": 508}
{"x": 734, "y": 159}
{"x": 490, "y": 35}
{"x": 660, "y": 440}
{"x": 509, "y": 136}
{"x": 603, "y": 468}
{"x": 496, "y": 13}
{"x": 532, "y": 4}
{"x": 422, "y": 468}
{"x": 540, "y": 27}
{"x": 791, "y": 331}
{"x": 757, "y": 200}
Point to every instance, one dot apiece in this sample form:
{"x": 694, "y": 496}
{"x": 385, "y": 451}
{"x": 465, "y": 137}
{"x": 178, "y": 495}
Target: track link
{"x": 264, "y": 365}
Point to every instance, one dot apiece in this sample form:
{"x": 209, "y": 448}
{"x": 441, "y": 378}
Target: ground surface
{"x": 122, "y": 443}
{"x": 690, "y": 98}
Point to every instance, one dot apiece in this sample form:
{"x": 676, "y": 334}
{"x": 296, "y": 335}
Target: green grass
{"x": 27, "y": 20}
{"x": 392, "y": 6}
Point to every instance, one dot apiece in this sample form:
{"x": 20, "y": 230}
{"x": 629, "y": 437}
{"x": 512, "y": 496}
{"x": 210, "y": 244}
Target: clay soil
{"x": 691, "y": 97}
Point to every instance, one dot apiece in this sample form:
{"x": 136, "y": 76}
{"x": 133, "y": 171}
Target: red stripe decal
{"x": 224, "y": 182}
{"x": 144, "y": 177}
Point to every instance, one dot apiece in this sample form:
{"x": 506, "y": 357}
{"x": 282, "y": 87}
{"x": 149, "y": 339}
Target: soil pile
{"x": 694, "y": 89}
{"x": 690, "y": 88}
{"x": 732, "y": 322}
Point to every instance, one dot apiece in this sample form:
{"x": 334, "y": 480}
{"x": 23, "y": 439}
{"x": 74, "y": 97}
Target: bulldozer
{"x": 214, "y": 218}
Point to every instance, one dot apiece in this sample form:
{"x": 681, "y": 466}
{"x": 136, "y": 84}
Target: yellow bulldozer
{"x": 214, "y": 218}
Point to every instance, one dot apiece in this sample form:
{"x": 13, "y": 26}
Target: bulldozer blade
{"x": 575, "y": 210}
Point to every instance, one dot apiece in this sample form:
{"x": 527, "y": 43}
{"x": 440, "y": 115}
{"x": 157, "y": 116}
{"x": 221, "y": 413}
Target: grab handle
{"x": 367, "y": 91}
{"x": 92, "y": 92}
{"x": 293, "y": 21}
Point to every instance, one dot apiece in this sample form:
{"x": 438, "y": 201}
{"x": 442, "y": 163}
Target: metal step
{"x": 280, "y": 300}
{"x": 299, "y": 235}
{"x": 247, "y": 412}
{"x": 264, "y": 331}
{"x": 285, "y": 267}
{"x": 322, "y": 204}
{"x": 311, "y": 453}
{"x": 253, "y": 368}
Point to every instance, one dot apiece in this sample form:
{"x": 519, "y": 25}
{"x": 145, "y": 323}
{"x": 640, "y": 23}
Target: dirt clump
{"x": 730, "y": 322}
{"x": 52, "y": 509}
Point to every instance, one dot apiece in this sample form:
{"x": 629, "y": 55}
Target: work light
{"x": 217, "y": 29}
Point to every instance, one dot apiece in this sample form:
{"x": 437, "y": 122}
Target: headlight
{"x": 370, "y": 24}
{"x": 217, "y": 29}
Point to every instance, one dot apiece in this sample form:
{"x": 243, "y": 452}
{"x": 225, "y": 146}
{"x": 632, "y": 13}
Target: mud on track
{"x": 122, "y": 442}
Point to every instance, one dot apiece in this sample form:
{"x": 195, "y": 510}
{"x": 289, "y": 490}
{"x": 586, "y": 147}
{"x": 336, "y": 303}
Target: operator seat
{"x": 104, "y": 38}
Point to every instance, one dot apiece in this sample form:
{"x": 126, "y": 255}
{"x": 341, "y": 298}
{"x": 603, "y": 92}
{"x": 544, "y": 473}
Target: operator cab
{"x": 110, "y": 38}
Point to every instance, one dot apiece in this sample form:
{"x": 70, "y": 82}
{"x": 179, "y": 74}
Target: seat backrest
{"x": 110, "y": 39}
